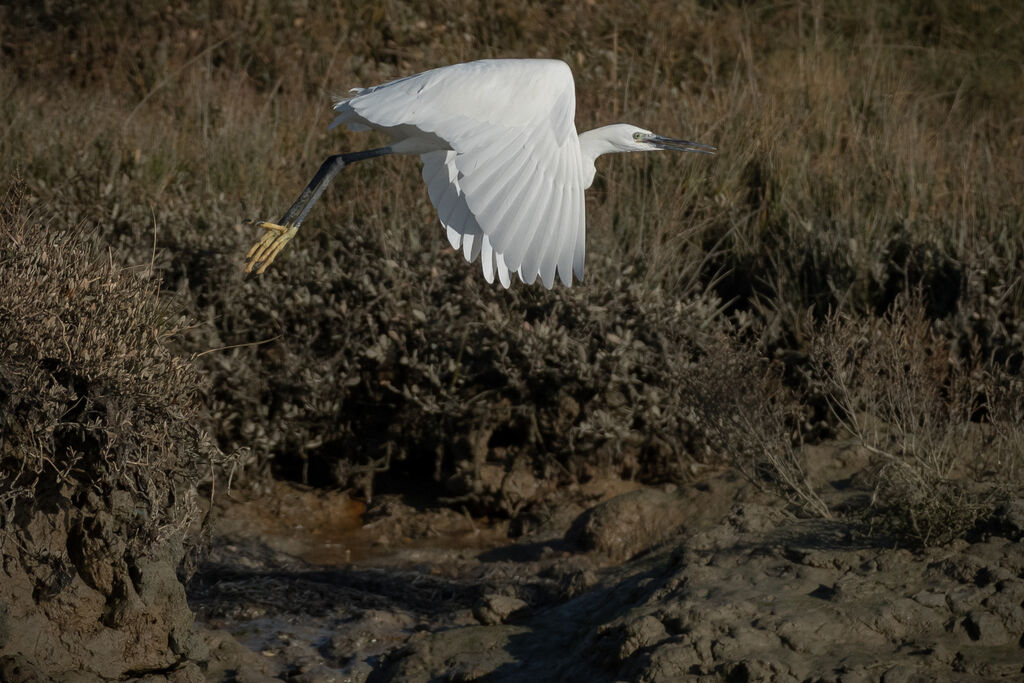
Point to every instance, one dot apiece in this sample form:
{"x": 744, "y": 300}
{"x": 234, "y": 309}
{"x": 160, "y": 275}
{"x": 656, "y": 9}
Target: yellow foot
{"x": 270, "y": 245}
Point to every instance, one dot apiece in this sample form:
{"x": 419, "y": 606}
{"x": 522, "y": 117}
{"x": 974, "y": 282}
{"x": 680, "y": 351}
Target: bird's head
{"x": 624, "y": 137}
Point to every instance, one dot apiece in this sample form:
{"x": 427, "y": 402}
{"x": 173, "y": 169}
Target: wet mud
{"x": 713, "y": 580}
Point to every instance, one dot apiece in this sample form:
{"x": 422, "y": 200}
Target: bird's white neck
{"x": 594, "y": 143}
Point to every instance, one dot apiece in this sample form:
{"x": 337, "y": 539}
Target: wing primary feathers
{"x": 503, "y": 275}
{"x": 575, "y": 221}
{"x": 454, "y": 236}
{"x": 537, "y": 230}
{"x": 487, "y": 258}
{"x": 579, "y": 251}
{"x": 513, "y": 215}
{"x": 504, "y": 226}
{"x": 481, "y": 179}
{"x": 568, "y": 246}
{"x": 560, "y": 227}
{"x": 470, "y": 246}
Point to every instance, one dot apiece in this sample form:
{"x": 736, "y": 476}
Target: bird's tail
{"x": 346, "y": 114}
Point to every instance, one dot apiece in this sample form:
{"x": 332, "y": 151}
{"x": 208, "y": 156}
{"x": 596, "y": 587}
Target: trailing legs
{"x": 279, "y": 234}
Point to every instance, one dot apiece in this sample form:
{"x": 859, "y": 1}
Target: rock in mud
{"x": 628, "y": 524}
{"x": 986, "y": 628}
{"x": 463, "y": 654}
{"x": 496, "y": 609}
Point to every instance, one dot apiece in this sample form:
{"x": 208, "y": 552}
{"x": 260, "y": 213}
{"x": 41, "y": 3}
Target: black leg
{"x": 278, "y": 235}
{"x": 298, "y": 211}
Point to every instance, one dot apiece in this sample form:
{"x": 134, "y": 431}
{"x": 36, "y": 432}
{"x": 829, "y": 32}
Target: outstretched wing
{"x": 501, "y": 159}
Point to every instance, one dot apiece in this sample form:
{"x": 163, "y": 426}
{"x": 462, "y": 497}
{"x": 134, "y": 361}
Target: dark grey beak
{"x": 680, "y": 145}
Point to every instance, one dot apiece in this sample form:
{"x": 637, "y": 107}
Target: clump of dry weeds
{"x": 946, "y": 433}
{"x": 100, "y": 455}
{"x": 753, "y": 420}
{"x": 92, "y": 404}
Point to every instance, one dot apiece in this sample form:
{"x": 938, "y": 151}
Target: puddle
{"x": 327, "y": 528}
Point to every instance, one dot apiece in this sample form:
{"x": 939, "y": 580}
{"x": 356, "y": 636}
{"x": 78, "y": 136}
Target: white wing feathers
{"x": 441, "y": 177}
{"x": 501, "y": 159}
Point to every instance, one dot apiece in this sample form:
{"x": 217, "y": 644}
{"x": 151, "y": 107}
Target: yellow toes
{"x": 269, "y": 246}
{"x": 266, "y": 225}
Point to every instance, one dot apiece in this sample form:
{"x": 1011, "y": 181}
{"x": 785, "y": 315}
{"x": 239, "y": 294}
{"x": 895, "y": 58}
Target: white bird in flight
{"x": 503, "y": 163}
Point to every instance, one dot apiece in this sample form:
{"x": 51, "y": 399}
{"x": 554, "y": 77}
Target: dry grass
{"x": 866, "y": 151}
{"x": 841, "y": 131}
{"x": 750, "y": 416}
{"x": 947, "y": 435}
{"x": 95, "y": 408}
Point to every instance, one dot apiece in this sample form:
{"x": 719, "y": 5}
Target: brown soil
{"x": 709, "y": 581}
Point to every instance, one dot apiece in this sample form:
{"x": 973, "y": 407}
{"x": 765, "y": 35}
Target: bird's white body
{"x": 502, "y": 161}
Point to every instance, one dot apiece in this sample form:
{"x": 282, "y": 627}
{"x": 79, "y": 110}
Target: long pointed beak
{"x": 680, "y": 145}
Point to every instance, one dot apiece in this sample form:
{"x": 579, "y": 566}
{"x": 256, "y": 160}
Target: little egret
{"x": 501, "y": 159}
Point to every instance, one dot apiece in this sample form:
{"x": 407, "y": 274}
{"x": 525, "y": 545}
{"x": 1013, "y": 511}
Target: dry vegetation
{"x": 93, "y": 403}
{"x": 100, "y": 455}
{"x": 868, "y": 153}
{"x": 946, "y": 431}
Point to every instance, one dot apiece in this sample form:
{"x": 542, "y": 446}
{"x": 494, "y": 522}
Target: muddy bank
{"x": 708, "y": 581}
{"x": 100, "y": 453}
{"x": 496, "y": 566}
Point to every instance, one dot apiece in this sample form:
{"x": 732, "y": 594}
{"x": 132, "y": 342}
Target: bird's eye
{"x": 637, "y": 136}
